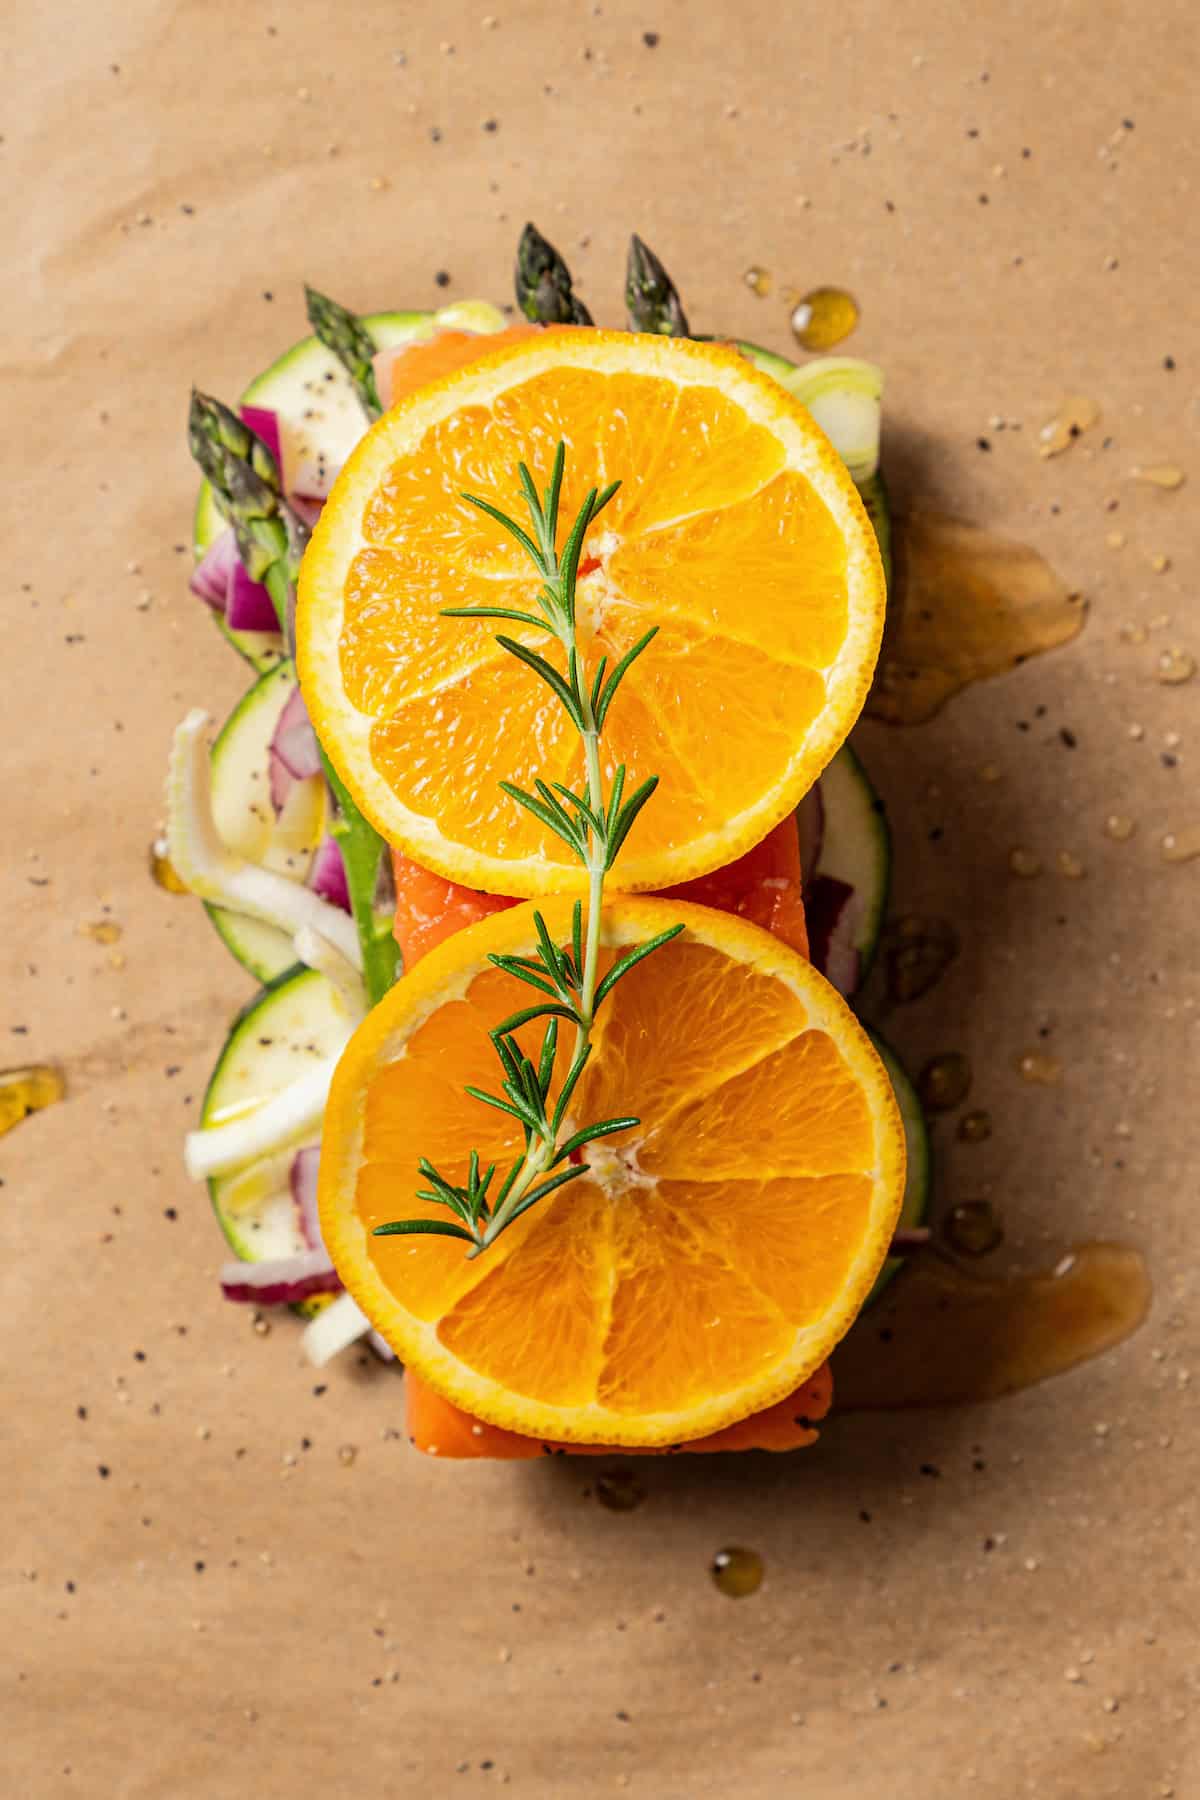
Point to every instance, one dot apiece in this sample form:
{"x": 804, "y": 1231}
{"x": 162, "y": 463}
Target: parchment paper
{"x": 201, "y": 1596}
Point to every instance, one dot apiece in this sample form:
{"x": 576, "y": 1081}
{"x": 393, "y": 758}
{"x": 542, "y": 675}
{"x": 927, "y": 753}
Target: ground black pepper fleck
{"x": 1168, "y": 362}
{"x": 983, "y": 443}
{"x": 650, "y": 39}
{"x": 1068, "y": 738}
{"x": 1169, "y": 761}
{"x": 267, "y": 294}
{"x": 103, "y": 1471}
{"x": 491, "y": 124}
{"x": 931, "y": 1469}
{"x": 170, "y": 1212}
{"x": 865, "y": 1517}
{"x": 81, "y": 1412}
{"x": 442, "y": 278}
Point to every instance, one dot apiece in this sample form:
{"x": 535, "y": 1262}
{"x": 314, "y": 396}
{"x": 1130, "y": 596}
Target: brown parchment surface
{"x": 235, "y": 1611}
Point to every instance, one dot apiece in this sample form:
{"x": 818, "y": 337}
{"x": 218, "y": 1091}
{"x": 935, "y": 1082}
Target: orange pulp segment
{"x": 736, "y": 532}
{"x": 711, "y": 1257}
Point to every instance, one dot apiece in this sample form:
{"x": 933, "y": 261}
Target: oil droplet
{"x": 1115, "y": 540}
{"x": 1035, "y": 1066}
{"x": 1075, "y": 415}
{"x": 1181, "y": 846}
{"x": 1120, "y": 828}
{"x": 1160, "y": 563}
{"x": 944, "y": 1082}
{"x": 1132, "y": 634}
{"x": 968, "y": 604}
{"x": 163, "y": 871}
{"x": 1026, "y": 863}
{"x": 952, "y": 1336}
{"x": 917, "y": 952}
{"x": 989, "y": 772}
{"x": 737, "y": 1572}
{"x": 620, "y": 1491}
{"x": 973, "y": 1229}
{"x": 975, "y": 1127}
{"x": 758, "y": 281}
{"x": 102, "y": 931}
{"x": 27, "y": 1090}
{"x": 824, "y": 317}
{"x": 1070, "y": 866}
{"x": 1163, "y": 475}
{"x": 1174, "y": 667}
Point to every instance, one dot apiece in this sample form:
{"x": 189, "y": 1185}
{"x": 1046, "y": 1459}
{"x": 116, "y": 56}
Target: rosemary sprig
{"x": 565, "y": 978}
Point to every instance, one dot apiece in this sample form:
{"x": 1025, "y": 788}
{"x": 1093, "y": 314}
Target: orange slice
{"x": 712, "y": 1256}
{"x": 737, "y": 532}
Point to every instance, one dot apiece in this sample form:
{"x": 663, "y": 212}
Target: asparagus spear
{"x": 344, "y": 333}
{"x": 248, "y": 489}
{"x": 543, "y": 283}
{"x": 651, "y": 297}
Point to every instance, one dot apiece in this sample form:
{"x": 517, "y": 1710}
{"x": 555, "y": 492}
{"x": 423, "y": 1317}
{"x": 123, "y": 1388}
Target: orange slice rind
{"x": 711, "y": 1258}
{"x": 737, "y": 532}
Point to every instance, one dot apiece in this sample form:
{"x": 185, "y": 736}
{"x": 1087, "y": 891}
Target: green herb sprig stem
{"x": 566, "y": 978}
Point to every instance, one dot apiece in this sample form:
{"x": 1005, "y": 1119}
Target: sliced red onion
{"x": 307, "y": 507}
{"x": 214, "y": 572}
{"x": 810, "y": 824}
{"x": 265, "y": 425}
{"x": 249, "y": 606}
{"x": 303, "y": 1179}
{"x": 833, "y": 912}
{"x": 294, "y": 755}
{"x": 282, "y": 1280}
{"x": 327, "y": 876}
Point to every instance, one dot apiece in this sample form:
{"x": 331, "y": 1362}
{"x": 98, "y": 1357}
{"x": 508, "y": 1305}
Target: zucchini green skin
{"x": 918, "y": 1182}
{"x": 294, "y": 1017}
{"x": 856, "y": 847}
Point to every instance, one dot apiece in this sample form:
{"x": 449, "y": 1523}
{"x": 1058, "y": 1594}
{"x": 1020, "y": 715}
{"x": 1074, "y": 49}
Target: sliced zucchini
{"x": 318, "y": 412}
{"x": 843, "y": 394}
{"x": 247, "y": 823}
{"x": 874, "y": 496}
{"x": 856, "y": 846}
{"x": 919, "y": 1177}
{"x": 296, "y": 1018}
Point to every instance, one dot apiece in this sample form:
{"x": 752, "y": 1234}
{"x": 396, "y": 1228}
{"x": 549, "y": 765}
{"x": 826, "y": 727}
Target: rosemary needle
{"x": 565, "y": 986}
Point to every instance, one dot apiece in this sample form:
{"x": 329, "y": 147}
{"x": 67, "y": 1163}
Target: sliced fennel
{"x": 211, "y": 870}
{"x": 334, "y": 1329}
{"x": 272, "y": 1125}
{"x": 317, "y": 953}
